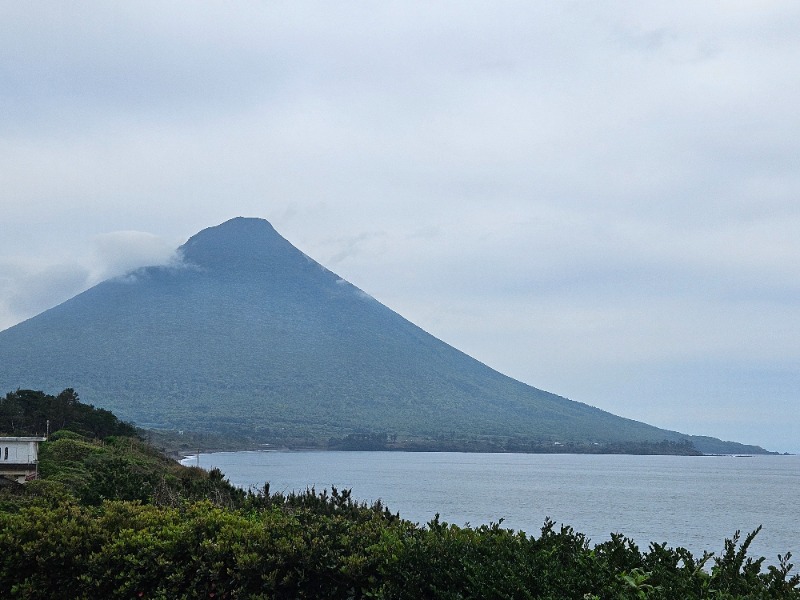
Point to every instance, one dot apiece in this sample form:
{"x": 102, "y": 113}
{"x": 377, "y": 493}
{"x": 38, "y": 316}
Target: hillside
{"x": 249, "y": 336}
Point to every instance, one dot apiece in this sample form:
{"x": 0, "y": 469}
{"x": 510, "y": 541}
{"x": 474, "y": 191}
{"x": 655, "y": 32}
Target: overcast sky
{"x": 601, "y": 199}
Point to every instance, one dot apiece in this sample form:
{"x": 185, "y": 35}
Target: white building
{"x": 19, "y": 457}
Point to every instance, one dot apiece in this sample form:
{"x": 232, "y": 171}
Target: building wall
{"x": 19, "y": 451}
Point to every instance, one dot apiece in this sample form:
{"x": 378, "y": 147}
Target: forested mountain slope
{"x": 250, "y": 336}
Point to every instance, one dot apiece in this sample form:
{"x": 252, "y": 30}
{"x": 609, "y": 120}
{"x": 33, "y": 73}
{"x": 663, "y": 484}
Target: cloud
{"x": 120, "y": 252}
{"x": 28, "y": 287}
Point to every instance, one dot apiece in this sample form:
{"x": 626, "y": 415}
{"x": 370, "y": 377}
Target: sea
{"x": 691, "y": 501}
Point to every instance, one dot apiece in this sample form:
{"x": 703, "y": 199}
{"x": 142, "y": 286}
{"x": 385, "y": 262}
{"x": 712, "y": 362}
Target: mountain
{"x": 249, "y": 336}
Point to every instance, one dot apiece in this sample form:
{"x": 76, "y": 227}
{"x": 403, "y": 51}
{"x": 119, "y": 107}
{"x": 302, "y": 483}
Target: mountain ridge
{"x": 250, "y": 335}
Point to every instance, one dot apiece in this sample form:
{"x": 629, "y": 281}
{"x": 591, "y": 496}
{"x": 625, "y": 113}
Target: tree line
{"x": 385, "y": 441}
{"x": 27, "y": 412}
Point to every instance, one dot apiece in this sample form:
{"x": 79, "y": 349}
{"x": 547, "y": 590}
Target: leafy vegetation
{"x": 29, "y": 412}
{"x": 312, "y": 546}
{"x": 112, "y": 518}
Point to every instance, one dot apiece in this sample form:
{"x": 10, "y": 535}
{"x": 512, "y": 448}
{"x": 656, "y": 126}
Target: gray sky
{"x": 601, "y": 199}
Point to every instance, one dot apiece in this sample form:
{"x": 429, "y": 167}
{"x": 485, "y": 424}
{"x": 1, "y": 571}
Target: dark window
{"x": 6, "y": 454}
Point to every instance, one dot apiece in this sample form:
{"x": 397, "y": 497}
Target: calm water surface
{"x": 695, "y": 502}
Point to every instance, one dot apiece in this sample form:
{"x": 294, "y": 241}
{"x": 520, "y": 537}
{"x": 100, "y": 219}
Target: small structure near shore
{"x": 19, "y": 458}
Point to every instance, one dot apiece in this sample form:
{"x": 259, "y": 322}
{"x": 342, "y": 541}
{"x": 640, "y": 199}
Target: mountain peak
{"x": 240, "y": 243}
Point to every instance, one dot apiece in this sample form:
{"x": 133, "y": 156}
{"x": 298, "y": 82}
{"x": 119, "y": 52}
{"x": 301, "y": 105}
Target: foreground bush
{"x": 113, "y": 519}
{"x": 318, "y": 546}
